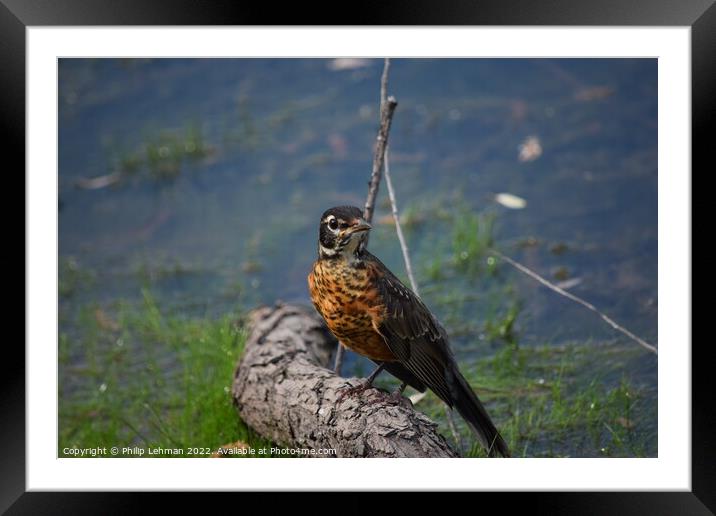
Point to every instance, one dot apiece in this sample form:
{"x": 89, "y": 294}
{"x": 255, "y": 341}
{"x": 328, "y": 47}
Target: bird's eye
{"x": 333, "y": 223}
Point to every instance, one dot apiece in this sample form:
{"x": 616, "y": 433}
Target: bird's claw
{"x": 398, "y": 398}
{"x": 352, "y": 390}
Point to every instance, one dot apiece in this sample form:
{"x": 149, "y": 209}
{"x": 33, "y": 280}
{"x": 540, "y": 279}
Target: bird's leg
{"x": 374, "y": 374}
{"x": 367, "y": 384}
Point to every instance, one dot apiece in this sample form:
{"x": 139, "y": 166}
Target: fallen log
{"x": 284, "y": 391}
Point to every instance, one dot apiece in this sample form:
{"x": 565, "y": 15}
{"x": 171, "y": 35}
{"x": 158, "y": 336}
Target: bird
{"x": 371, "y": 312}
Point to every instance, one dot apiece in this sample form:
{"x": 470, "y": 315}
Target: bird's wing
{"x": 413, "y": 334}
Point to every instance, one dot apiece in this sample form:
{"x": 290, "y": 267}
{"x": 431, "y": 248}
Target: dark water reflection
{"x": 224, "y": 167}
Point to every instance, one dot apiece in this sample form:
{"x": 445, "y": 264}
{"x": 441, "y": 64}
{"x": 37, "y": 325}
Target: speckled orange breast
{"x": 343, "y": 295}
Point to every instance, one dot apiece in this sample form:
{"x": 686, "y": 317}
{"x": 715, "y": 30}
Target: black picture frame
{"x": 17, "y": 15}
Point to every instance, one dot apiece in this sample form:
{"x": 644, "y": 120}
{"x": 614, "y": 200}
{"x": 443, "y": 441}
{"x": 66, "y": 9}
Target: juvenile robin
{"x": 372, "y": 313}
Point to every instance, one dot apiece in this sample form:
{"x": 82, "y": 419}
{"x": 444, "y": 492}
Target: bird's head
{"x": 342, "y": 232}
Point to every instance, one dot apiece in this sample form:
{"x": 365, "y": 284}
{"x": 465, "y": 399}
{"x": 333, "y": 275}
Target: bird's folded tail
{"x": 471, "y": 409}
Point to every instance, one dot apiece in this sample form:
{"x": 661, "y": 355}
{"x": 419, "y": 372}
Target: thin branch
{"x": 576, "y": 299}
{"x": 338, "y": 364}
{"x": 398, "y": 229}
{"x": 387, "y": 108}
{"x": 384, "y": 83}
{"x": 453, "y": 430}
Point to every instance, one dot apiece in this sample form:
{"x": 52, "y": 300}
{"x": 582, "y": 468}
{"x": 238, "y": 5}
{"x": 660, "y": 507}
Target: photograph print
{"x": 354, "y": 257}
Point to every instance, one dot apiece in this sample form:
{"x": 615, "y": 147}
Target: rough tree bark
{"x": 284, "y": 390}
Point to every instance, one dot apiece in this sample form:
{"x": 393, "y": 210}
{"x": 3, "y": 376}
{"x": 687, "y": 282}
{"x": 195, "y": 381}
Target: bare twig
{"x": 453, "y": 431}
{"x": 398, "y": 229}
{"x": 384, "y": 83}
{"x": 576, "y": 299}
{"x": 338, "y": 364}
{"x": 387, "y": 108}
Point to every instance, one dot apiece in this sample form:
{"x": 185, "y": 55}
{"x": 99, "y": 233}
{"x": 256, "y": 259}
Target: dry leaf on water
{"x": 511, "y": 201}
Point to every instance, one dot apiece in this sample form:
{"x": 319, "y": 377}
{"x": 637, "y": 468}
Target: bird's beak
{"x": 359, "y": 225}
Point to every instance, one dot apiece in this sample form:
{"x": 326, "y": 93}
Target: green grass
{"x": 72, "y": 277}
{"x": 502, "y": 327}
{"x": 542, "y": 404}
{"x": 472, "y": 236}
{"x": 163, "y": 153}
{"x": 145, "y": 379}
{"x": 462, "y": 244}
{"x": 166, "y": 151}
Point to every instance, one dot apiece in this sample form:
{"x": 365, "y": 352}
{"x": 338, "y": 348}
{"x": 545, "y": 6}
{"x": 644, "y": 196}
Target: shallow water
{"x": 224, "y": 167}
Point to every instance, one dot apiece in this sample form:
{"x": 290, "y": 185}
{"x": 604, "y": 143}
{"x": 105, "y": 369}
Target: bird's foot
{"x": 352, "y": 390}
{"x": 398, "y": 398}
